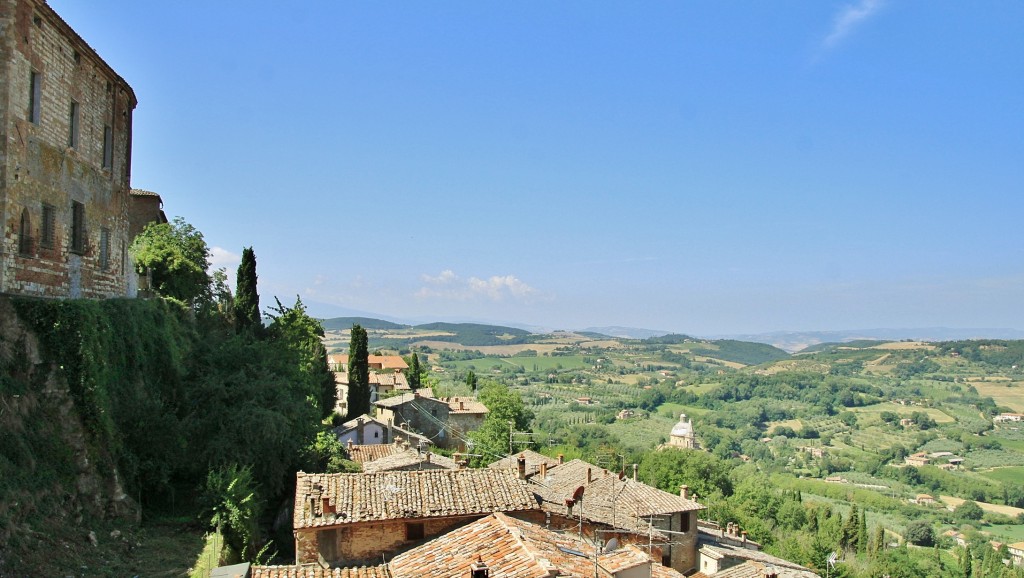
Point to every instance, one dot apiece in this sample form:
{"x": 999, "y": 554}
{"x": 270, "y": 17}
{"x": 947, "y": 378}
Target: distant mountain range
{"x": 793, "y": 341}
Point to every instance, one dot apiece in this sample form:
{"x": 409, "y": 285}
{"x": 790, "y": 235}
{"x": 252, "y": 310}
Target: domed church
{"x": 682, "y": 435}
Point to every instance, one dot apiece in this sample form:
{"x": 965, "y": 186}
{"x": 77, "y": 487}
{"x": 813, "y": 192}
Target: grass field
{"x": 901, "y": 410}
{"x": 1008, "y": 393}
{"x": 997, "y": 508}
{"x": 1013, "y": 533}
{"x": 1011, "y": 474}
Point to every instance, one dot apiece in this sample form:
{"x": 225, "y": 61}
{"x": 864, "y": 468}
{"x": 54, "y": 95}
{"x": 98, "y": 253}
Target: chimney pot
{"x": 684, "y": 491}
{"x": 635, "y": 466}
{"x": 590, "y": 476}
{"x": 349, "y": 444}
{"x": 543, "y": 469}
{"x": 561, "y": 459}
{"x": 521, "y": 465}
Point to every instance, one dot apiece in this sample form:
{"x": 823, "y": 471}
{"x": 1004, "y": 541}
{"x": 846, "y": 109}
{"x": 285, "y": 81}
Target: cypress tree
{"x": 862, "y": 533}
{"x": 358, "y": 373}
{"x": 413, "y": 373}
{"x": 247, "y": 300}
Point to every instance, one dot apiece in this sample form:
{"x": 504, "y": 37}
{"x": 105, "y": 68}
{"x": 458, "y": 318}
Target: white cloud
{"x": 851, "y": 16}
{"x": 448, "y": 285}
{"x": 220, "y": 257}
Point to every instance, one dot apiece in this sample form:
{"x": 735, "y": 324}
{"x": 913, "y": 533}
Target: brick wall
{"x": 39, "y": 165}
{"x": 364, "y": 543}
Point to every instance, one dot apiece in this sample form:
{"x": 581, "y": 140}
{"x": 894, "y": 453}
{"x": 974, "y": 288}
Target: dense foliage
{"x": 177, "y": 258}
{"x": 247, "y": 297}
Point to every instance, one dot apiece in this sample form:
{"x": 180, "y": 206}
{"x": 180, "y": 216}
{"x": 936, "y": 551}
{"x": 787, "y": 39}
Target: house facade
{"x": 354, "y": 519}
{"x": 65, "y": 160}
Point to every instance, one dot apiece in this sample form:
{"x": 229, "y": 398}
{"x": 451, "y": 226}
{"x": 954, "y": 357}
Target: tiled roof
{"x": 607, "y": 499}
{"x": 317, "y": 572}
{"x": 368, "y": 453}
{"x": 353, "y": 498}
{"x": 512, "y": 548}
{"x": 464, "y": 405}
{"x": 533, "y": 461}
{"x": 751, "y": 569}
{"x": 395, "y": 380}
{"x": 719, "y": 551}
{"x": 143, "y": 193}
{"x": 409, "y": 459}
{"x": 404, "y": 398}
{"x": 385, "y": 361}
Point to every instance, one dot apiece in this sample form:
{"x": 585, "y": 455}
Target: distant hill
{"x": 794, "y": 341}
{"x": 745, "y": 352}
{"x": 624, "y": 332}
{"x": 343, "y": 323}
{"x": 475, "y": 334}
{"x": 855, "y": 344}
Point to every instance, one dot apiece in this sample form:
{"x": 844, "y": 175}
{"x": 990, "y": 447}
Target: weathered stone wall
{"x": 365, "y": 543}
{"x": 682, "y": 548}
{"x": 39, "y": 165}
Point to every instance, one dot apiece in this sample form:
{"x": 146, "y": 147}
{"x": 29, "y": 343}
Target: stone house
{"x": 420, "y": 413}
{"x": 726, "y": 552}
{"x": 609, "y": 505}
{"x": 465, "y": 414}
{"x": 354, "y": 519}
{"x": 1016, "y": 553}
{"x": 65, "y": 160}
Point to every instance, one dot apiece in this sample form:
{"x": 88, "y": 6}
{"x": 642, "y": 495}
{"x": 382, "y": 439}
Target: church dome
{"x": 684, "y": 428}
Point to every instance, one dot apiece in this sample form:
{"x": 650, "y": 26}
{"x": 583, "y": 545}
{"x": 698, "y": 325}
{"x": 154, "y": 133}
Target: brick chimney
{"x": 684, "y": 491}
{"x": 543, "y": 469}
{"x": 521, "y": 466}
{"x": 561, "y": 459}
{"x": 426, "y": 457}
{"x": 590, "y": 476}
{"x": 635, "y": 466}
{"x": 349, "y": 444}
{"x": 478, "y": 569}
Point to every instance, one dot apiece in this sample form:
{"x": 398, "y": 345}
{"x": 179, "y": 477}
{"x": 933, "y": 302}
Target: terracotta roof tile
{"x": 513, "y": 548}
{"x": 369, "y": 453}
{"x": 317, "y": 572}
{"x": 620, "y": 503}
{"x": 396, "y": 495}
{"x": 409, "y": 459}
{"x": 533, "y": 462}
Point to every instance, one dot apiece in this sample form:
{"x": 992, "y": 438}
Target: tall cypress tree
{"x": 247, "y": 300}
{"x": 412, "y": 375}
{"x": 358, "y": 373}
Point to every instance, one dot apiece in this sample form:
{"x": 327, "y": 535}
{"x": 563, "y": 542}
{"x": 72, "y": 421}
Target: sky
{"x": 699, "y": 167}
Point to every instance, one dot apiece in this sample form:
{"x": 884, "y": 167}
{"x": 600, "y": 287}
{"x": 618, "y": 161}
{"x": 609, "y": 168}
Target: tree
{"x": 177, "y": 257}
{"x": 303, "y": 336}
{"x": 919, "y": 533}
{"x": 703, "y": 472}
{"x": 471, "y": 380}
{"x": 233, "y": 508}
{"x": 247, "y": 299}
{"x": 969, "y": 511}
{"x": 506, "y": 412}
{"x": 358, "y": 373}
{"x": 414, "y": 374}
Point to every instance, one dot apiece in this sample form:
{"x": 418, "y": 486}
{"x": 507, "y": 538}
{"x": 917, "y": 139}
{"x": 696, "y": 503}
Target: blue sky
{"x": 701, "y": 167}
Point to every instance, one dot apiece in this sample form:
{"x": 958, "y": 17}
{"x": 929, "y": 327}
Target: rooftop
{"x": 409, "y": 459}
{"x": 317, "y": 572}
{"x": 516, "y": 549}
{"x": 334, "y": 499}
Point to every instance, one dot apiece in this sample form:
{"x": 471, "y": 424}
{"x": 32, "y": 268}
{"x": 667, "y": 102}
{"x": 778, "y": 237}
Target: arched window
{"x": 25, "y": 233}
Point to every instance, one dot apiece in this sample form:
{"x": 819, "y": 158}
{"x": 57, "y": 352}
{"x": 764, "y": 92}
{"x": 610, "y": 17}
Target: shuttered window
{"x": 77, "y": 227}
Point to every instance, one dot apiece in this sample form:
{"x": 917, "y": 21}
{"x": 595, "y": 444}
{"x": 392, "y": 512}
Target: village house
{"x": 726, "y": 552}
{"x": 532, "y": 462}
{"x": 354, "y": 519}
{"x": 919, "y": 459}
{"x": 603, "y": 503}
{"x": 465, "y": 414}
{"x": 493, "y": 546}
{"x": 366, "y": 430}
{"x": 65, "y": 149}
{"x": 409, "y": 458}
{"x": 1008, "y": 418}
{"x": 1016, "y": 553}
{"x": 424, "y": 414}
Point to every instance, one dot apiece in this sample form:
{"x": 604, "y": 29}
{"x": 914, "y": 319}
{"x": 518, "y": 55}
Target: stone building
{"x": 420, "y": 413}
{"x": 682, "y": 435}
{"x": 65, "y": 160}
{"x": 353, "y": 519}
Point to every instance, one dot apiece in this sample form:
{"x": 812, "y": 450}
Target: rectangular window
{"x": 77, "y": 227}
{"x": 414, "y": 531}
{"x": 25, "y": 233}
{"x": 48, "y": 227}
{"x": 108, "y": 147}
{"x": 73, "y": 125}
{"x": 35, "y": 96}
{"x": 685, "y": 522}
{"x": 105, "y": 250}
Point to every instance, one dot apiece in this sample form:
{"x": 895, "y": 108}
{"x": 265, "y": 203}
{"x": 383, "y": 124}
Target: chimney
{"x": 521, "y": 465}
{"x": 635, "y": 466}
{"x": 427, "y": 457}
{"x": 462, "y": 405}
{"x": 744, "y": 534}
{"x": 684, "y": 491}
{"x": 543, "y": 469}
{"x": 561, "y": 459}
{"x": 478, "y": 569}
{"x": 349, "y": 444}
{"x": 590, "y": 476}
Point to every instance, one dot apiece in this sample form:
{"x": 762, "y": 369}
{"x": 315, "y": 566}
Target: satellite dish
{"x": 611, "y": 545}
